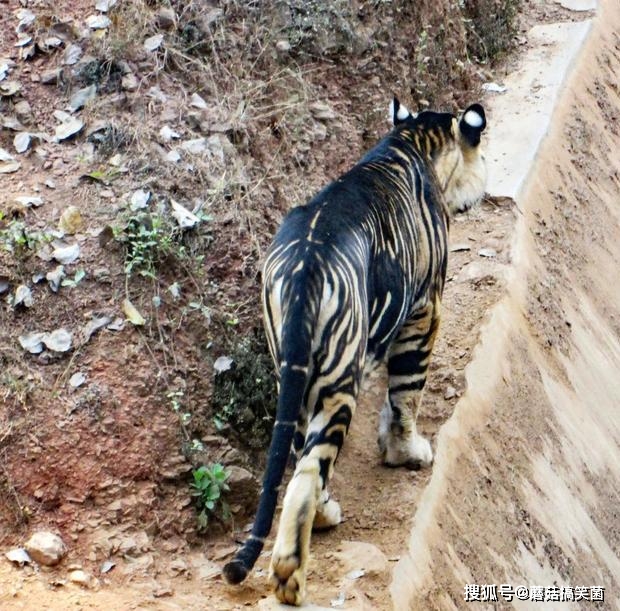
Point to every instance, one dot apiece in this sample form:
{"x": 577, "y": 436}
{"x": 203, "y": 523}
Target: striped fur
{"x": 354, "y": 275}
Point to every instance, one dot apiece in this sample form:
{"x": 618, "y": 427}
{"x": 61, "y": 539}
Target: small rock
{"x": 23, "y": 110}
{"x": 132, "y": 314}
{"x": 71, "y": 56}
{"x": 82, "y": 578}
{"x": 59, "y": 340}
{"x": 66, "y": 254}
{"x": 459, "y": 247}
{"x": 51, "y": 77}
{"x": 46, "y": 548}
{"x": 107, "y": 566}
{"x": 197, "y": 101}
{"x": 23, "y": 296}
{"x": 139, "y": 200}
{"x": 98, "y": 22}
{"x": 68, "y": 128}
{"x": 32, "y": 342}
{"x": 152, "y": 43}
{"x": 70, "y": 221}
{"x": 450, "y": 393}
{"x": 81, "y": 97}
{"x": 283, "y": 46}
{"x": 166, "y": 18}
{"x": 19, "y": 556}
{"x": 489, "y": 253}
{"x": 77, "y": 379}
{"x": 54, "y": 278}
{"x": 130, "y": 82}
{"x": 222, "y": 364}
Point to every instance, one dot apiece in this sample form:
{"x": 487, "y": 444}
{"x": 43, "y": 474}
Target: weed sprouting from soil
{"x": 208, "y": 486}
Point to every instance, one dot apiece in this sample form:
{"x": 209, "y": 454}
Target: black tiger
{"x": 357, "y": 274}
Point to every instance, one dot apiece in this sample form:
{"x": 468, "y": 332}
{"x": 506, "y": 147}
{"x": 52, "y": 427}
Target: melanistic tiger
{"x": 356, "y": 276}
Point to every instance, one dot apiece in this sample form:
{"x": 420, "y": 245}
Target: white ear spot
{"x": 472, "y": 118}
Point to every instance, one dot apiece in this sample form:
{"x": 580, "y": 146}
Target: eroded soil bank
{"x": 525, "y": 488}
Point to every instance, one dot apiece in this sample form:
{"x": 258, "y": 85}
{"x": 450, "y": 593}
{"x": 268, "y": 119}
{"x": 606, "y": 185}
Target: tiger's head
{"x": 453, "y": 146}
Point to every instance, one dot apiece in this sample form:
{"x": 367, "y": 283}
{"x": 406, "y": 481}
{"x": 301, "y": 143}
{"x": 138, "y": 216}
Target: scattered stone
{"x": 139, "y": 200}
{"x": 66, "y": 254}
{"x": 54, "y": 278}
{"x": 4, "y": 69}
{"x": 82, "y": 578}
{"x": 494, "y": 88}
{"x": 94, "y": 325}
{"x": 222, "y": 364}
{"x": 70, "y": 57}
{"x": 321, "y": 111}
{"x": 489, "y": 253}
{"x": 81, "y": 97}
{"x": 130, "y": 82}
{"x": 9, "y": 89}
{"x": 32, "y": 342}
{"x": 77, "y": 379}
{"x": 71, "y": 221}
{"x": 27, "y": 201}
{"x": 356, "y": 574}
{"x": 19, "y": 556}
{"x": 161, "y": 591}
{"x": 152, "y": 43}
{"x": 59, "y": 340}
{"x": 103, "y": 6}
{"x": 183, "y": 216}
{"x": 173, "y": 156}
{"x": 49, "y": 43}
{"x": 118, "y": 324}
{"x": 166, "y": 18}
{"x": 23, "y": 110}
{"x": 98, "y": 22}
{"x": 195, "y": 146}
{"x": 478, "y": 271}
{"x": 166, "y": 133}
{"x": 107, "y": 566}
{"x": 197, "y": 101}
{"x": 450, "y": 393}
{"x": 4, "y": 284}
{"x": 283, "y": 46}
{"x": 46, "y": 548}
{"x": 23, "y": 296}
{"x": 23, "y": 39}
{"x": 69, "y": 128}
{"x": 51, "y": 77}
{"x": 8, "y": 167}
{"x": 49, "y": 183}
{"x": 271, "y": 604}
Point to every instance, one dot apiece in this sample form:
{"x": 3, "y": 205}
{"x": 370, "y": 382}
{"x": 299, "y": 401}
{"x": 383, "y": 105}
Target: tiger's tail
{"x": 297, "y": 346}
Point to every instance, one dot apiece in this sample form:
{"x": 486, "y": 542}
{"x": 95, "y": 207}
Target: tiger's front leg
{"x": 408, "y": 360}
{"x": 307, "y": 503}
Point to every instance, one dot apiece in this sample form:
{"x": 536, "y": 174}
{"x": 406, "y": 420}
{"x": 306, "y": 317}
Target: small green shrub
{"x": 207, "y": 488}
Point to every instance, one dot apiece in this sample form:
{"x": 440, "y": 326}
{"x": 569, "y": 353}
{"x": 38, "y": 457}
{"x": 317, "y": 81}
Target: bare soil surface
{"x": 105, "y": 464}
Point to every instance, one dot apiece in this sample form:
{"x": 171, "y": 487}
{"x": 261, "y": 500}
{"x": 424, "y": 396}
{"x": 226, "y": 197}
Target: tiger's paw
{"x": 328, "y": 515}
{"x": 414, "y": 453}
{"x": 288, "y": 578}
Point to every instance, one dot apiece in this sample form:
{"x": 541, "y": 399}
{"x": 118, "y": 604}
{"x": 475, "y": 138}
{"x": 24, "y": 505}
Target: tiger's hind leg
{"x": 306, "y": 502}
{"x": 408, "y": 360}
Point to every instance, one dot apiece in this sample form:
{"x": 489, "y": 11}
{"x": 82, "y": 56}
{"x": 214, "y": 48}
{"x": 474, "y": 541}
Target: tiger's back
{"x": 357, "y": 274}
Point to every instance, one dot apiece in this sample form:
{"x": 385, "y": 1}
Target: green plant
{"x": 207, "y": 488}
{"x": 19, "y": 240}
{"x": 150, "y": 239}
{"x": 73, "y": 282}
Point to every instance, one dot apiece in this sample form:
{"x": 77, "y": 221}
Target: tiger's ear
{"x": 472, "y": 124}
{"x": 398, "y": 112}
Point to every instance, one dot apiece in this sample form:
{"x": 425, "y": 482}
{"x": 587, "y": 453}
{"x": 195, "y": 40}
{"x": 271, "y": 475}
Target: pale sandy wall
{"x": 526, "y": 485}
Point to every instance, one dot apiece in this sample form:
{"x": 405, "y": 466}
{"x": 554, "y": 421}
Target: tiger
{"x": 355, "y": 276}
